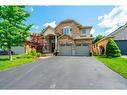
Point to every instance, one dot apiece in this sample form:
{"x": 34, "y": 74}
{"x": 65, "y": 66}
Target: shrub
{"x": 94, "y": 53}
{"x": 33, "y": 53}
{"x": 112, "y": 50}
{"x": 24, "y": 56}
{"x": 28, "y": 56}
{"x": 38, "y": 54}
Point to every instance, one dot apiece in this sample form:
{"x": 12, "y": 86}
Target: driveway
{"x": 62, "y": 72}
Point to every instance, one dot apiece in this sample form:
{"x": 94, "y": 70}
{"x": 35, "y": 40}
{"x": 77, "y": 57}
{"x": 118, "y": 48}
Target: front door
{"x": 52, "y": 45}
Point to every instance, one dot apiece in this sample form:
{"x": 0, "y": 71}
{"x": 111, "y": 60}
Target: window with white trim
{"x": 84, "y": 32}
{"x": 67, "y": 30}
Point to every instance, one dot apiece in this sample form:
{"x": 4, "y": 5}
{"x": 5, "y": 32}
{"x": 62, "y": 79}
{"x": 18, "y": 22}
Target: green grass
{"x": 117, "y": 64}
{"x": 17, "y": 60}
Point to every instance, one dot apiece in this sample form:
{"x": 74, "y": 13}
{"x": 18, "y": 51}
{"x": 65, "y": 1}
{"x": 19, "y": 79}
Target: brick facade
{"x": 59, "y": 38}
{"x": 75, "y": 29}
{"x": 76, "y": 37}
{"x": 98, "y": 46}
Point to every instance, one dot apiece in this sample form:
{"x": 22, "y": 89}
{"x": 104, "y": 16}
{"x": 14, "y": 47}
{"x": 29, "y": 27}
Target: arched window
{"x": 67, "y": 30}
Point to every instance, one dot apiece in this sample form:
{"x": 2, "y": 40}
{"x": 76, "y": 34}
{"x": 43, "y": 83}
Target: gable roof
{"x": 70, "y": 20}
{"x": 117, "y": 30}
{"x": 105, "y": 38}
{"x": 48, "y": 27}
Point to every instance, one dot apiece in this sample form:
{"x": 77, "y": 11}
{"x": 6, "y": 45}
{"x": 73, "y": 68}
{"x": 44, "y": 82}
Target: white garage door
{"x": 82, "y": 50}
{"x": 65, "y": 50}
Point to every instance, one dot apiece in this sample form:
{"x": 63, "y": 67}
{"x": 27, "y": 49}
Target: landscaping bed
{"x": 117, "y": 64}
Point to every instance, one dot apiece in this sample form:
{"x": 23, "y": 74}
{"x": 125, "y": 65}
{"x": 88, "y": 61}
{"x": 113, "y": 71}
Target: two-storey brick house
{"x": 69, "y": 38}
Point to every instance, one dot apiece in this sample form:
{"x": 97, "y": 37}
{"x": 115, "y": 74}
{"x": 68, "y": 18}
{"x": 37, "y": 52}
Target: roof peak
{"x": 71, "y": 20}
{"x": 117, "y": 30}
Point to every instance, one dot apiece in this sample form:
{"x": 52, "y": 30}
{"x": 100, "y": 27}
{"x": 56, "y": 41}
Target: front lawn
{"x": 117, "y": 64}
{"x": 17, "y": 60}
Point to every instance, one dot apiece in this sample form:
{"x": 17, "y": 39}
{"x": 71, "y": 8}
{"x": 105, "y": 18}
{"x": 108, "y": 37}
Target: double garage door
{"x": 78, "y": 50}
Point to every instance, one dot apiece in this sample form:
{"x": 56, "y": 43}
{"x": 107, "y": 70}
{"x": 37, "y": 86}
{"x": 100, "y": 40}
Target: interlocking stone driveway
{"x": 62, "y": 72}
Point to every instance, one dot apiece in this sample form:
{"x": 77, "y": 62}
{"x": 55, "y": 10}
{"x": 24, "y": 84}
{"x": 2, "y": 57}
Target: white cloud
{"x": 52, "y": 24}
{"x": 92, "y": 31}
{"x": 35, "y": 27}
{"x": 114, "y": 19}
{"x": 31, "y": 9}
{"x": 110, "y": 30}
{"x": 100, "y": 17}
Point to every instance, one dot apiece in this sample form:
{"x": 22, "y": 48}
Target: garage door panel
{"x": 122, "y": 44}
{"x": 82, "y": 50}
{"x": 79, "y": 50}
{"x": 65, "y": 50}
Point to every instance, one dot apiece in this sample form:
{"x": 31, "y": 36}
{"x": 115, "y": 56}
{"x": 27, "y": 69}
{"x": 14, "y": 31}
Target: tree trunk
{"x": 10, "y": 55}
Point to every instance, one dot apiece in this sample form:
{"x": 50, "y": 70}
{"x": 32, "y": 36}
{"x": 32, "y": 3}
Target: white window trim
{"x": 65, "y": 31}
{"x": 81, "y": 32}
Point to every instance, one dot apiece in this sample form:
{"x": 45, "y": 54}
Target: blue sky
{"x": 85, "y": 15}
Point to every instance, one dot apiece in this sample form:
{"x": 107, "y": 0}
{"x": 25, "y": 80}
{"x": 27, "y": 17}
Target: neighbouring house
{"x": 69, "y": 38}
{"x": 99, "y": 48}
{"x": 18, "y": 49}
{"x": 119, "y": 36}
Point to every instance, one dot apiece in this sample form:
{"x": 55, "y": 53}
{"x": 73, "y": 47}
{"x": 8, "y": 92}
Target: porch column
{"x": 55, "y": 42}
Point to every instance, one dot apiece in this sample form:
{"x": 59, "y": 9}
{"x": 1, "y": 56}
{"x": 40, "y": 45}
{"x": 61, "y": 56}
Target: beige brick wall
{"x": 75, "y": 29}
{"x": 65, "y": 39}
{"x": 75, "y": 34}
{"x": 102, "y": 43}
{"x": 87, "y": 41}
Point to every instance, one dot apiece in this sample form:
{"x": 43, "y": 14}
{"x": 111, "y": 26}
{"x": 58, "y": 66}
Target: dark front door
{"x": 52, "y": 44}
{"x": 53, "y": 47}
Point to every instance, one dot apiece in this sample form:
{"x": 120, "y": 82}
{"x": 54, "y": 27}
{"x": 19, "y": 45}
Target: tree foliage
{"x": 99, "y": 37}
{"x": 112, "y": 50}
{"x": 13, "y": 31}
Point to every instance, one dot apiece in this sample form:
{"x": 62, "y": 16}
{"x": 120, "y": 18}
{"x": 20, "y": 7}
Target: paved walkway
{"x": 62, "y": 72}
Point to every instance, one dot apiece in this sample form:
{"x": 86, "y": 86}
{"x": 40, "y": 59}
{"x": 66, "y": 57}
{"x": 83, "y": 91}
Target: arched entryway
{"x": 102, "y": 50}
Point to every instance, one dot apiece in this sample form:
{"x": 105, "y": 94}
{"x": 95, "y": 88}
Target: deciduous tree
{"x": 99, "y": 37}
{"x": 13, "y": 31}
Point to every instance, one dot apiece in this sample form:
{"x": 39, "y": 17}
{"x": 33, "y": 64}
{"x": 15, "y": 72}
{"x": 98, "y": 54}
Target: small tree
{"x": 112, "y": 50}
{"x": 99, "y": 37}
{"x": 13, "y": 31}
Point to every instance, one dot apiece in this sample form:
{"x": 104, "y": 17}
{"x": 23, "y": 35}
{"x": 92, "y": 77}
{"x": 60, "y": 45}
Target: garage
{"x": 65, "y": 49}
{"x": 82, "y": 50}
{"x": 78, "y": 50}
{"x": 122, "y": 44}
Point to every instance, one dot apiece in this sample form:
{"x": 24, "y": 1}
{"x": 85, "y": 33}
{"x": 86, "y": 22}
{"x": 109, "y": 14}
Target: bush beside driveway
{"x": 117, "y": 64}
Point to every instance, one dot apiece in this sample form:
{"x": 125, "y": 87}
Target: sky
{"x": 104, "y": 19}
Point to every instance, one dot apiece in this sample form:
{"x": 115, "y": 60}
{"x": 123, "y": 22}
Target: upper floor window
{"x": 84, "y": 32}
{"x": 67, "y": 30}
